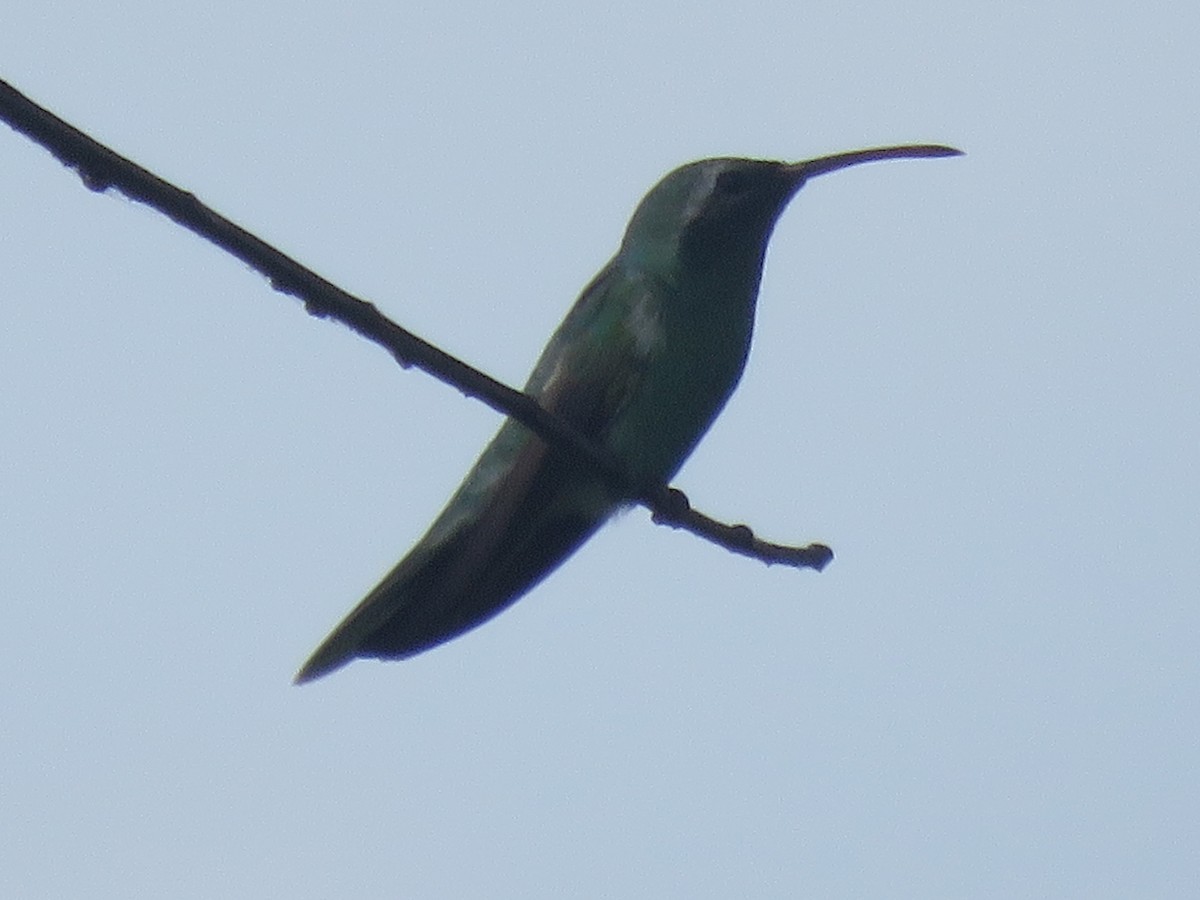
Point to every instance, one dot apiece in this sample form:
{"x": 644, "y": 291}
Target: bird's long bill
{"x": 821, "y": 165}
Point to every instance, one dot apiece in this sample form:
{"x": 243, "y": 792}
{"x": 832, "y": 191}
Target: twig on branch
{"x": 101, "y": 168}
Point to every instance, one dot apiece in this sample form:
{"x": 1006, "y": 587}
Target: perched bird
{"x": 641, "y": 366}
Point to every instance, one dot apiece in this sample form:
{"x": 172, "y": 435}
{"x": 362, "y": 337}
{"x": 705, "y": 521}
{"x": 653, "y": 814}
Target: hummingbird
{"x": 641, "y": 366}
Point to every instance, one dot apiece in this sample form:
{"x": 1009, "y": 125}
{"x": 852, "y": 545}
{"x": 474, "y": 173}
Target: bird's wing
{"x": 524, "y": 507}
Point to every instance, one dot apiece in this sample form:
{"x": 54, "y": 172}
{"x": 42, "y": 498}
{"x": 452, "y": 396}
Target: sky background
{"x": 975, "y": 378}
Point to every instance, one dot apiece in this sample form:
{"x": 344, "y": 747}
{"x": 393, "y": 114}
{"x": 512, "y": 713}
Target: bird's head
{"x": 720, "y": 212}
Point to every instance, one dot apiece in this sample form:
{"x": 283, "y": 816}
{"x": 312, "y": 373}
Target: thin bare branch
{"x": 101, "y": 168}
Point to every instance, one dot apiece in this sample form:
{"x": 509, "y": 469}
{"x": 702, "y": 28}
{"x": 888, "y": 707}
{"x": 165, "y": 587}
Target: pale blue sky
{"x": 976, "y": 379}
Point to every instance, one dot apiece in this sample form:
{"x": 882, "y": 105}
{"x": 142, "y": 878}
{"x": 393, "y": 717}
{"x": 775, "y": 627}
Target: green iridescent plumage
{"x": 642, "y": 364}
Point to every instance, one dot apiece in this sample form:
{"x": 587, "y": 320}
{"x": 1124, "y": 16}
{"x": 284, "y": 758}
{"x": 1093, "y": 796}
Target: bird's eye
{"x": 735, "y": 181}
